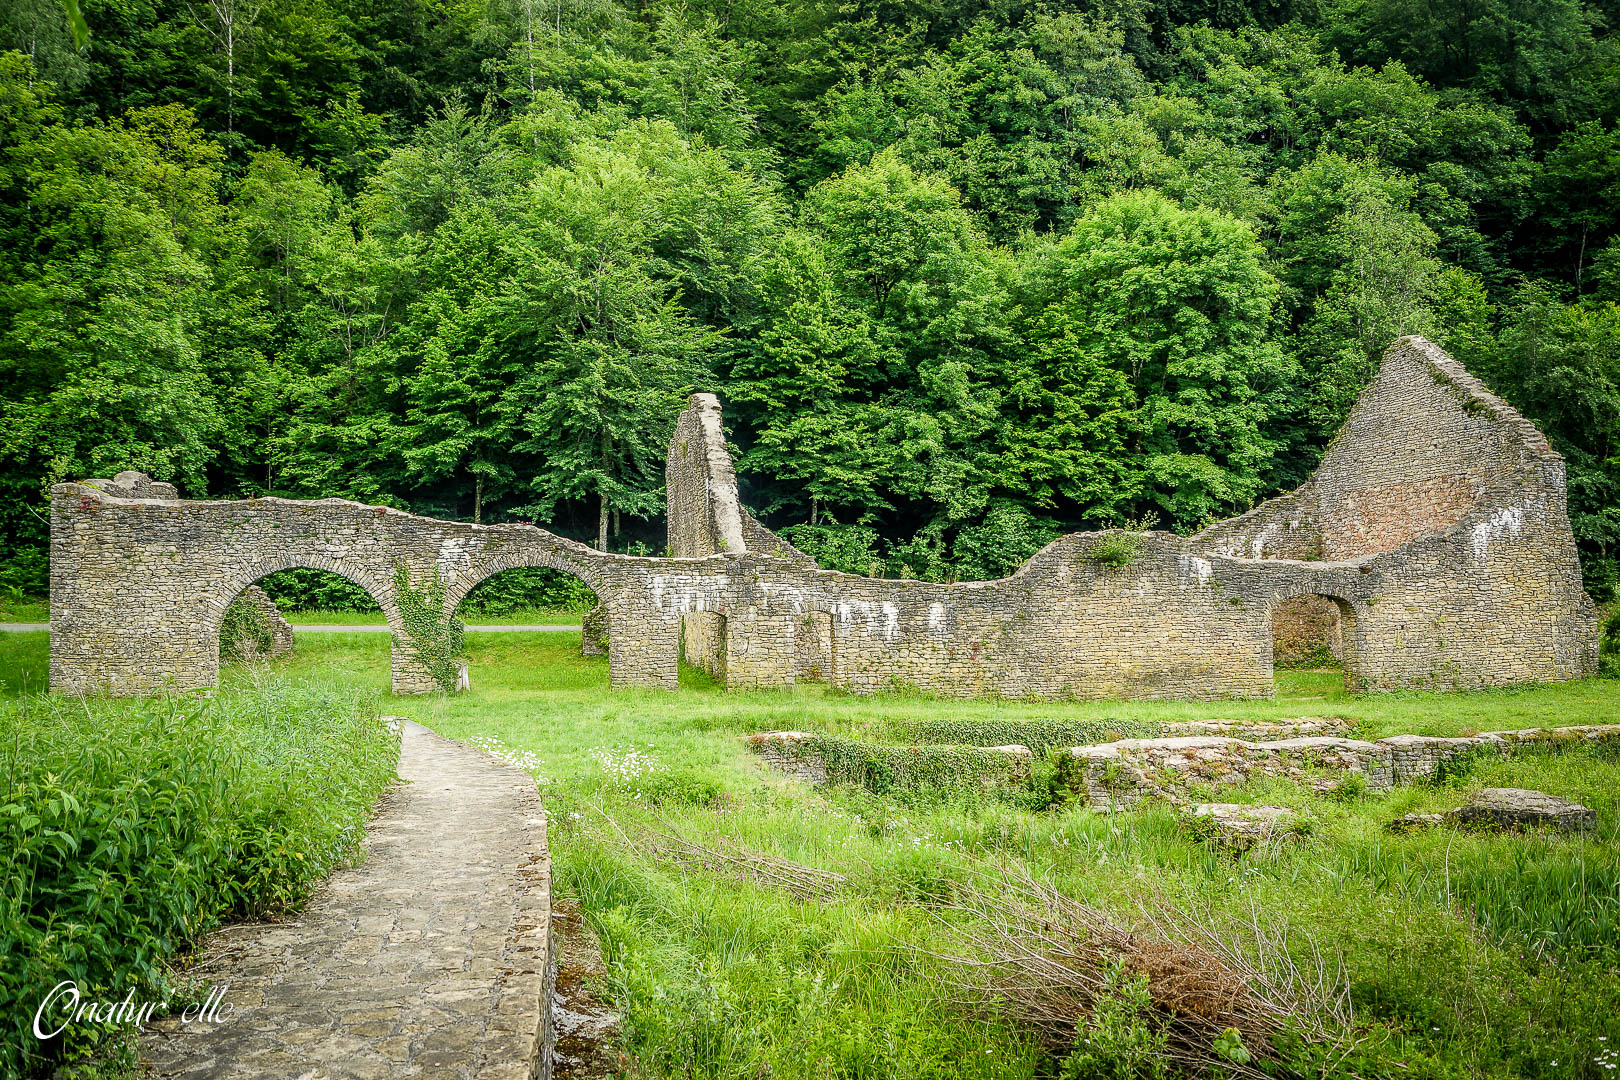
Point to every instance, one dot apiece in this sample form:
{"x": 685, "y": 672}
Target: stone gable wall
{"x": 1489, "y": 595}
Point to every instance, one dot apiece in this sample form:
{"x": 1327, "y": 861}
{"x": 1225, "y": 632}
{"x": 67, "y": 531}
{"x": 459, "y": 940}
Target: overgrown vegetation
{"x": 754, "y": 925}
{"x": 1609, "y": 645}
{"x": 1039, "y": 735}
{"x": 127, "y": 829}
{"x": 966, "y": 276}
{"x": 433, "y": 639}
{"x": 245, "y": 632}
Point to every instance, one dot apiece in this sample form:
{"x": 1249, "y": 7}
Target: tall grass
{"x": 129, "y": 828}
{"x": 728, "y": 974}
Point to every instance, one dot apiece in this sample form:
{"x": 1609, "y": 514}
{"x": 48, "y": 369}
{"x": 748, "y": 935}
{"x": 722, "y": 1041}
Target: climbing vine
{"x": 433, "y": 637}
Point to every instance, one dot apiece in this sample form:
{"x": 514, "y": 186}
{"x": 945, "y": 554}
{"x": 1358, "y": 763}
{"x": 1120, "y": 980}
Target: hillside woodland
{"x": 966, "y": 275}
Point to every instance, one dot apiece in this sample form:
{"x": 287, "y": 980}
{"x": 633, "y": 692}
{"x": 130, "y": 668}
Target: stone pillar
{"x": 408, "y": 677}
{"x": 644, "y": 650}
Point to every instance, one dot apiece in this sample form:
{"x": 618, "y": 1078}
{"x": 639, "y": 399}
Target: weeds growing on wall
{"x": 1123, "y": 546}
{"x": 128, "y": 829}
{"x": 913, "y": 773}
{"x": 245, "y": 632}
{"x": 433, "y": 638}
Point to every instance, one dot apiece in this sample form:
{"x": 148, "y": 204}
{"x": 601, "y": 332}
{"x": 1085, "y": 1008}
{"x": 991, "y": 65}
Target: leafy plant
{"x": 244, "y": 633}
{"x": 1609, "y": 645}
{"x": 1120, "y": 1040}
{"x": 1119, "y": 548}
{"x": 127, "y": 829}
{"x": 433, "y": 638}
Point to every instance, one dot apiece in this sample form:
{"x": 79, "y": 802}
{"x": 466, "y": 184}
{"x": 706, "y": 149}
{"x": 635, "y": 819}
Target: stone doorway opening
{"x": 703, "y": 642}
{"x": 1314, "y": 636}
{"x": 813, "y": 648}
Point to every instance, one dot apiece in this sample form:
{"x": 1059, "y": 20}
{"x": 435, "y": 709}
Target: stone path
{"x": 314, "y": 628}
{"x": 431, "y": 958}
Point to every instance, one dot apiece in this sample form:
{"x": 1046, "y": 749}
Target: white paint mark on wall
{"x": 881, "y": 619}
{"x": 1195, "y": 571}
{"x": 936, "y": 618}
{"x": 676, "y": 596}
{"x": 454, "y": 557}
{"x": 1508, "y": 521}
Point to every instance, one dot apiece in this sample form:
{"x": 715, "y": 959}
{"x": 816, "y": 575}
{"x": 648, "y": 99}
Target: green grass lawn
{"x": 1466, "y": 955}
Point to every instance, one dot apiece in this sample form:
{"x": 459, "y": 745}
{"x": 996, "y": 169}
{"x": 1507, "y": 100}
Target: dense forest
{"x": 966, "y": 274}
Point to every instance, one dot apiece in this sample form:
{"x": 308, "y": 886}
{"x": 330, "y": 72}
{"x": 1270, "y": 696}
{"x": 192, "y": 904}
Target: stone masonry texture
{"x": 432, "y": 958}
{"x": 1436, "y": 524}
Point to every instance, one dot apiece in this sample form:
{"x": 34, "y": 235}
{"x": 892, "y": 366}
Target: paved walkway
{"x": 317, "y": 628}
{"x": 429, "y": 959}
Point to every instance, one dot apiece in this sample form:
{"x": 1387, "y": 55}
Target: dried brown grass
{"x": 1043, "y": 958}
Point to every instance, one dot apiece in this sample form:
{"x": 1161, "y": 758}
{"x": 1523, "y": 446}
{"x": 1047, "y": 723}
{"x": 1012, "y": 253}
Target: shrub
{"x": 244, "y": 633}
{"x": 1119, "y": 548}
{"x": 1609, "y": 645}
{"x": 128, "y": 829}
{"x": 433, "y": 638}
{"x": 1121, "y": 1041}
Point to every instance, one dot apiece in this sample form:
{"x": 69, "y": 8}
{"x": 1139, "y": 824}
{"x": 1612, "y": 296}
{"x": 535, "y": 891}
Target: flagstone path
{"x": 429, "y": 959}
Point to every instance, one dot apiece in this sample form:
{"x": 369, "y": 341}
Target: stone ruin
{"x": 1436, "y": 525}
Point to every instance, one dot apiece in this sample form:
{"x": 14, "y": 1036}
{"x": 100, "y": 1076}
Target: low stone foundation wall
{"x": 1299, "y": 727}
{"x": 823, "y": 759}
{"x": 1122, "y": 774}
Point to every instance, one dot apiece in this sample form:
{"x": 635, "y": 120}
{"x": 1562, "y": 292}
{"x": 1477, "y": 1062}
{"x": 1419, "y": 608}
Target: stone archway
{"x": 402, "y": 672}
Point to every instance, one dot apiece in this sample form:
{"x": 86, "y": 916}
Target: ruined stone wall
{"x": 1436, "y": 527}
{"x": 705, "y": 516}
{"x": 281, "y": 631}
{"x": 139, "y": 585}
{"x": 1484, "y": 591}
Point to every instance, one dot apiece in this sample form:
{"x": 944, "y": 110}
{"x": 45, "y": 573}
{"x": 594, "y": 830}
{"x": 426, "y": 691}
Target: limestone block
{"x": 1517, "y": 808}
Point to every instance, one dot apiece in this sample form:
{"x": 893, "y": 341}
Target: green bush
{"x": 303, "y": 589}
{"x": 245, "y": 632}
{"x": 528, "y": 587}
{"x": 129, "y": 828}
{"x": 1122, "y": 1040}
{"x": 1609, "y": 645}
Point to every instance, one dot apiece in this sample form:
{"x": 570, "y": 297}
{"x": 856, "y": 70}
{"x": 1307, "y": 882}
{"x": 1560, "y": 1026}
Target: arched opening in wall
{"x": 703, "y": 642}
{"x": 507, "y": 602}
{"x": 1312, "y": 643}
{"x": 530, "y": 596}
{"x": 258, "y": 622}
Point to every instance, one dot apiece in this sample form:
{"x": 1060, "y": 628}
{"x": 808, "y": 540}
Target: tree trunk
{"x": 601, "y": 523}
{"x": 615, "y": 524}
{"x": 478, "y": 500}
